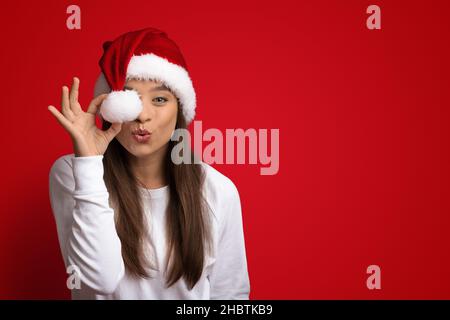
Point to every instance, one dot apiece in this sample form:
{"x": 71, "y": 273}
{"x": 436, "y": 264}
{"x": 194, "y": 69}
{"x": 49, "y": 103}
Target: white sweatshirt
{"x": 89, "y": 241}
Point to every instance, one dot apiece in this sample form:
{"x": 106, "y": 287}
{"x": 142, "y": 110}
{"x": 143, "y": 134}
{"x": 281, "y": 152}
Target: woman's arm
{"x": 229, "y": 276}
{"x": 85, "y": 222}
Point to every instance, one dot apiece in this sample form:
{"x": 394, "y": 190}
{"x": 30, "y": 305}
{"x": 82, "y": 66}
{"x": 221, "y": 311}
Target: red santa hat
{"x": 146, "y": 54}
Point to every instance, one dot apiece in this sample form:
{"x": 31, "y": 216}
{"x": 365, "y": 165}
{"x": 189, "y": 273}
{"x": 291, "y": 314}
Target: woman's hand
{"x": 87, "y": 138}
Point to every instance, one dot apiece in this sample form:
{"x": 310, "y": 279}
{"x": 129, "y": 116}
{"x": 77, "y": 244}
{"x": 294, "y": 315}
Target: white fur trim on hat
{"x": 153, "y": 67}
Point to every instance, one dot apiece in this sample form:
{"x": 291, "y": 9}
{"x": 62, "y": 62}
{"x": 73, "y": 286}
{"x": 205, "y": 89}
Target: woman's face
{"x": 158, "y": 117}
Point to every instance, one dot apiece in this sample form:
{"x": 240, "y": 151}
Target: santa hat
{"x": 146, "y": 54}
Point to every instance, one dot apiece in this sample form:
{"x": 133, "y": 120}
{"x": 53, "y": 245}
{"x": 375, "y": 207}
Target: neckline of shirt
{"x": 154, "y": 193}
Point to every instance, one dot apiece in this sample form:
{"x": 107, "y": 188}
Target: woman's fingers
{"x": 61, "y": 119}
{"x": 113, "y": 130}
{"x": 95, "y": 104}
{"x": 74, "y": 90}
{"x": 67, "y": 112}
{"x": 73, "y": 98}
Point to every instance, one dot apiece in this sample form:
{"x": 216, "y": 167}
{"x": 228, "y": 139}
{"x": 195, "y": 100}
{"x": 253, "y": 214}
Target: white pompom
{"x": 121, "y": 106}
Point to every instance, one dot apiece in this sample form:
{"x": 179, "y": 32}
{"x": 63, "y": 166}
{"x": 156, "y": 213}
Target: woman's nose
{"x": 146, "y": 113}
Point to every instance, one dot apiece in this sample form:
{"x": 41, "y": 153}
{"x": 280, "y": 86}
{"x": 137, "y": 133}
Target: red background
{"x": 364, "y": 135}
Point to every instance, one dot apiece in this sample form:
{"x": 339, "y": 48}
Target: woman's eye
{"x": 160, "y": 100}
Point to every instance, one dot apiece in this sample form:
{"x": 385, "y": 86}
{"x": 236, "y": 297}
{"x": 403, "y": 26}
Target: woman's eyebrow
{"x": 159, "y": 88}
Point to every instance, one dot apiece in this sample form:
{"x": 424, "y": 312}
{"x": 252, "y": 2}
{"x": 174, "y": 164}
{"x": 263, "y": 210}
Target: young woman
{"x": 131, "y": 223}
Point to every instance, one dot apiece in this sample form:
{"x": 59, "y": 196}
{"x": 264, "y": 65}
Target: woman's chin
{"x": 143, "y": 149}
{"x": 140, "y": 150}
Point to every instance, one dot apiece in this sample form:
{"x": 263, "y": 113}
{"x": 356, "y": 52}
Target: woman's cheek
{"x": 124, "y": 138}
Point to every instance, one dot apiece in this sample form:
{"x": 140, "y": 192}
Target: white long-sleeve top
{"x": 89, "y": 241}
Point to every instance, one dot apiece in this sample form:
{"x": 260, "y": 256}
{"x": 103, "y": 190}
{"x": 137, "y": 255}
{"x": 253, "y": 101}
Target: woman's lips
{"x": 142, "y": 137}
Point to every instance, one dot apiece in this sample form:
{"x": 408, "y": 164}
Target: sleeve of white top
{"x": 85, "y": 222}
{"x": 229, "y": 278}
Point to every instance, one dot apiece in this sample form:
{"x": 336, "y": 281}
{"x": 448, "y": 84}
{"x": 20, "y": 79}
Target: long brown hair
{"x": 187, "y": 222}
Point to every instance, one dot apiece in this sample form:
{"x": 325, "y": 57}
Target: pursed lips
{"x": 141, "y": 132}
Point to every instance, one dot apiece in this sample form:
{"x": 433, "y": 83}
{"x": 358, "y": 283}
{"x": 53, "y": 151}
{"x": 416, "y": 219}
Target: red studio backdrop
{"x": 363, "y": 118}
